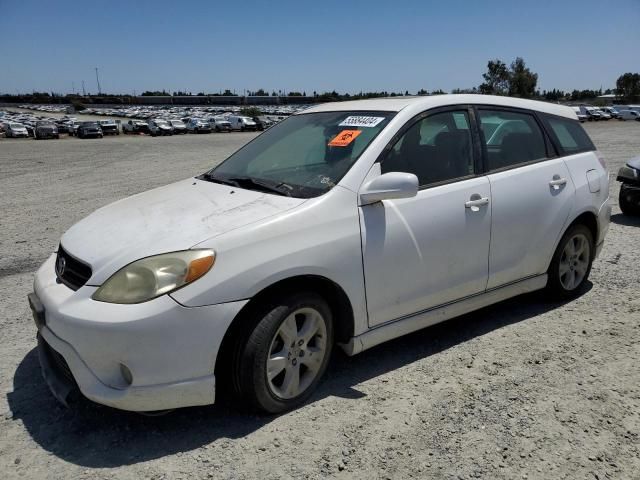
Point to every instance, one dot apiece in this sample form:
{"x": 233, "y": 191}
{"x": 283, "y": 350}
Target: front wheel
{"x": 571, "y": 263}
{"x": 279, "y": 365}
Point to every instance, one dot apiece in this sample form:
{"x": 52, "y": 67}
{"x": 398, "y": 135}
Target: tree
{"x": 496, "y": 79}
{"x": 522, "y": 81}
{"x": 628, "y": 86}
{"x": 251, "y": 112}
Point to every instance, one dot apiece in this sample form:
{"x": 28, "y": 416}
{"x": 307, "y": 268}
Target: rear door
{"x": 531, "y": 191}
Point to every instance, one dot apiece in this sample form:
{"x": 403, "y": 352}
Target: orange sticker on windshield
{"x": 344, "y": 138}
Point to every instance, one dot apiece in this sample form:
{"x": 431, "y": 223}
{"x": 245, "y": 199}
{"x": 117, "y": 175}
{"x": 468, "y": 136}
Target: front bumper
{"x": 169, "y": 350}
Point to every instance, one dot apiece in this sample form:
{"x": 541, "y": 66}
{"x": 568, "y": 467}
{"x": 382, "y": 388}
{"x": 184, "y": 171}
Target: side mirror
{"x": 389, "y": 186}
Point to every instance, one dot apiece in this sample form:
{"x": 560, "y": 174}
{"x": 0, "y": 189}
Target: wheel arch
{"x": 587, "y": 218}
{"x": 341, "y": 308}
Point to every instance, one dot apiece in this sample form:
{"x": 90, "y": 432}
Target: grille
{"x": 71, "y": 271}
{"x": 59, "y": 363}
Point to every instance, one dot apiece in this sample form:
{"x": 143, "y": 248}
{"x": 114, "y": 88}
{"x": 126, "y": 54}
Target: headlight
{"x": 628, "y": 172}
{"x": 146, "y": 279}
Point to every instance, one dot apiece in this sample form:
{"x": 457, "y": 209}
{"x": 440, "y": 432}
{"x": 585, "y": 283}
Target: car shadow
{"x": 95, "y": 436}
{"x": 626, "y": 220}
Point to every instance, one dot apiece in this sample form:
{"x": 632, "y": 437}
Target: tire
{"x": 626, "y": 203}
{"x": 295, "y": 373}
{"x": 571, "y": 263}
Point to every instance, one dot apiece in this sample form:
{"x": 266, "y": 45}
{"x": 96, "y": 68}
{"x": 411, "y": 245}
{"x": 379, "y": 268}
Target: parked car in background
{"x": 629, "y": 197}
{"x": 135, "y": 126}
{"x": 593, "y": 114}
{"x": 197, "y": 125}
{"x": 158, "y": 126}
{"x": 16, "y": 130}
{"x": 326, "y": 230}
{"x": 109, "y": 127}
{"x": 604, "y": 115}
{"x": 582, "y": 116}
{"x": 89, "y": 130}
{"x": 178, "y": 126}
{"x": 31, "y": 128}
{"x": 46, "y": 130}
{"x": 242, "y": 123}
{"x": 628, "y": 115}
{"x": 64, "y": 127}
{"x": 260, "y": 124}
{"x": 220, "y": 124}
{"x": 613, "y": 112}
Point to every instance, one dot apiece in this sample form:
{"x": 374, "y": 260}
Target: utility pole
{"x": 98, "y": 82}
{"x": 84, "y": 94}
{"x": 73, "y": 87}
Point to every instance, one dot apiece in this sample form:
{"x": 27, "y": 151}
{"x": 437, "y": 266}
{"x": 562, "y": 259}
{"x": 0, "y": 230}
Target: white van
{"x": 242, "y": 123}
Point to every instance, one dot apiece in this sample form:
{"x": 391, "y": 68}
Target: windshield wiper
{"x": 280, "y": 188}
{"x": 209, "y": 177}
{"x": 249, "y": 182}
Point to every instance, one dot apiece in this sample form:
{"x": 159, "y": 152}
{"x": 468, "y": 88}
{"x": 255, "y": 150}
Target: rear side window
{"x": 511, "y": 138}
{"x": 569, "y": 135}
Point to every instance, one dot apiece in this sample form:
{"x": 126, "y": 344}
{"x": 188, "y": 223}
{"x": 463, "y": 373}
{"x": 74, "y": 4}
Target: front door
{"x": 432, "y": 249}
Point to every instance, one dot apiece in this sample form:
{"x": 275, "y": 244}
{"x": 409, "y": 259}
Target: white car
{"x": 348, "y": 224}
{"x": 15, "y": 130}
{"x": 628, "y": 115}
{"x": 242, "y": 123}
{"x": 159, "y": 126}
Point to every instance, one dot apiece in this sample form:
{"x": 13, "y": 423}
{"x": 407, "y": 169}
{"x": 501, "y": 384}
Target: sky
{"x": 347, "y": 46}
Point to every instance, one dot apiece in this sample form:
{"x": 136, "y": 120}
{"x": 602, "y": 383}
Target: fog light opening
{"x": 126, "y": 374}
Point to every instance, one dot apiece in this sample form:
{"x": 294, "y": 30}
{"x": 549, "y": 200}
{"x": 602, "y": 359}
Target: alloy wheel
{"x": 574, "y": 262}
{"x": 297, "y": 353}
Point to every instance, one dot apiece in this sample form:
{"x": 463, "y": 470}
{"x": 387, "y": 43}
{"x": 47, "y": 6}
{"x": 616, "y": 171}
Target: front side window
{"x": 569, "y": 135}
{"x": 303, "y": 156}
{"x": 436, "y": 149}
{"x": 511, "y": 138}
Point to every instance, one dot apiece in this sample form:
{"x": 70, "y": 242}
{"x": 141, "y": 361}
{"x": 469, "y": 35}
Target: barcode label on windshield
{"x": 360, "y": 121}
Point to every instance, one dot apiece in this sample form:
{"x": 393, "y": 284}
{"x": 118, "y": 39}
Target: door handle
{"x": 475, "y": 202}
{"x": 557, "y": 182}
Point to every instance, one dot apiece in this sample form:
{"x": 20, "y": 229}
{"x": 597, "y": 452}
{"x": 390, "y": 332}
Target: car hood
{"x": 166, "y": 219}
{"x": 634, "y": 163}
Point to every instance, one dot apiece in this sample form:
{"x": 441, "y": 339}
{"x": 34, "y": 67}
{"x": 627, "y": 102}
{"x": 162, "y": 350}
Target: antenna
{"x": 98, "y": 82}
{"x": 73, "y": 87}
{"x": 84, "y": 94}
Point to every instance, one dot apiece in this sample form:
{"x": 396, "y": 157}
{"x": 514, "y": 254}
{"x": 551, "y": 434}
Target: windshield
{"x": 161, "y": 122}
{"x": 305, "y": 154}
{"x": 177, "y": 123}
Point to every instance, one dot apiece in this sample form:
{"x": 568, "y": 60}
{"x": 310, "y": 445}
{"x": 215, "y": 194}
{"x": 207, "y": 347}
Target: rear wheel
{"x": 627, "y": 203}
{"x": 571, "y": 264}
{"x": 278, "y": 365}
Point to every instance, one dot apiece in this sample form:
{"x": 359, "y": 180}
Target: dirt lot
{"x": 523, "y": 389}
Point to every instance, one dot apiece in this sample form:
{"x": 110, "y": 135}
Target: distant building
{"x": 609, "y": 98}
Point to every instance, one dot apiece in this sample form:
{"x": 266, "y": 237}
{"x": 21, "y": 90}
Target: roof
{"x": 395, "y": 104}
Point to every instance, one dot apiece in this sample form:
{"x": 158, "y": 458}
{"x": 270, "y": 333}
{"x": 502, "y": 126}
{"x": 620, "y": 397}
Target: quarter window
{"x": 436, "y": 149}
{"x": 511, "y": 138}
{"x": 569, "y": 134}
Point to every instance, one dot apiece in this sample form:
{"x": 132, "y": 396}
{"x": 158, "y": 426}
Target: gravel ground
{"x": 522, "y": 389}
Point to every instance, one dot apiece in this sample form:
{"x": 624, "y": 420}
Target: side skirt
{"x": 403, "y": 326}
